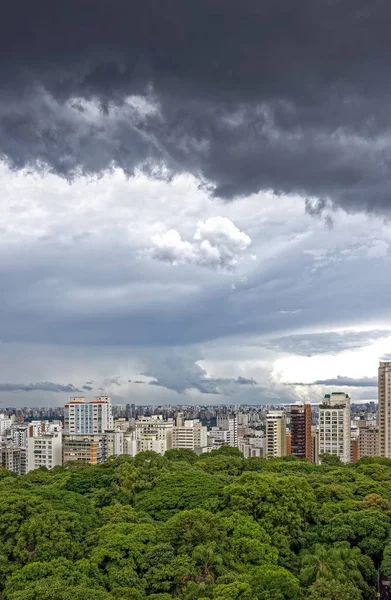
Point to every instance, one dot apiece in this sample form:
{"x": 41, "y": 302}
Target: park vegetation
{"x": 215, "y": 526}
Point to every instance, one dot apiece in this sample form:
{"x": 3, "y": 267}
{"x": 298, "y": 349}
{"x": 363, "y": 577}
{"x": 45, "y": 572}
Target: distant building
{"x": 229, "y": 422}
{"x": 301, "y": 442}
{"x": 18, "y": 435}
{"x": 45, "y": 450}
{"x": 252, "y": 447}
{"x": 84, "y": 449}
{"x": 384, "y": 408}
{"x": 288, "y": 444}
{"x": 275, "y": 433}
{"x": 5, "y": 423}
{"x": 219, "y": 437}
{"x": 151, "y": 433}
{"x": 89, "y": 418}
{"x": 334, "y": 426}
{"x": 13, "y": 458}
{"x": 354, "y": 449}
{"x": 314, "y": 444}
{"x": 191, "y": 435}
{"x": 369, "y": 441}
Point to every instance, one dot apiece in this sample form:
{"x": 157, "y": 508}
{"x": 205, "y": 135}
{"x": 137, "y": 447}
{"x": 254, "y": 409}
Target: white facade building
{"x": 112, "y": 443}
{"x": 229, "y": 423}
{"x": 219, "y": 437}
{"x": 254, "y": 446}
{"x": 89, "y": 418}
{"x": 5, "y": 423}
{"x": 45, "y": 450}
{"x": 19, "y": 435}
{"x": 151, "y": 433}
{"x": 334, "y": 425}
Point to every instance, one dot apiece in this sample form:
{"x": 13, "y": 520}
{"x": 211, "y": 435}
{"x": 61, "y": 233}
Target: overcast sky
{"x": 195, "y": 200}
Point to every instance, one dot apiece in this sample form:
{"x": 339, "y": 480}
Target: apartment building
{"x": 334, "y": 426}
{"x": 88, "y": 418}
{"x": 275, "y": 433}
{"x": 45, "y": 450}
{"x": 191, "y": 435}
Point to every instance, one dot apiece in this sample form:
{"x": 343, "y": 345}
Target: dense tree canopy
{"x": 214, "y": 527}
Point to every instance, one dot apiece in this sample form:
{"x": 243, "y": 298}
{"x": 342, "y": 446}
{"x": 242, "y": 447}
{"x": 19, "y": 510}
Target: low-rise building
{"x": 84, "y": 449}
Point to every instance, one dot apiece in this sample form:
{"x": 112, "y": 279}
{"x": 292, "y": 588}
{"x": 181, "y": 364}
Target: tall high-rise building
{"x": 301, "y": 441}
{"x": 275, "y": 433}
{"x": 89, "y": 418}
{"x": 334, "y": 425}
{"x": 384, "y": 408}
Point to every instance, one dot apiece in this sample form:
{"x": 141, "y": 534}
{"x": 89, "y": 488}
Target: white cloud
{"x": 218, "y": 243}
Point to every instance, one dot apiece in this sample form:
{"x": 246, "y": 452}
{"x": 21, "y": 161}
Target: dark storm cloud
{"x": 180, "y": 373}
{"x": 288, "y": 96}
{"x": 43, "y": 386}
{"x": 342, "y": 381}
{"x": 331, "y": 342}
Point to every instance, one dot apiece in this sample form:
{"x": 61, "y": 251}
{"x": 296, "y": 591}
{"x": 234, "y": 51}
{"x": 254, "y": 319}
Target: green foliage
{"x": 324, "y": 589}
{"x": 188, "y": 527}
{"x": 330, "y": 460}
{"x": 178, "y": 491}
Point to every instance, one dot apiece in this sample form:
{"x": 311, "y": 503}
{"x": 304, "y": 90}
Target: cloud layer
{"x": 292, "y": 99}
{"x": 331, "y": 342}
{"x": 342, "y": 381}
{"x": 217, "y": 243}
{"x": 42, "y": 386}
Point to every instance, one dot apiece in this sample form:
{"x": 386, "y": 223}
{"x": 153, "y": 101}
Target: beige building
{"x": 369, "y": 441}
{"x": 191, "y": 435}
{"x": 275, "y": 433}
{"x": 384, "y": 408}
{"x": 85, "y": 449}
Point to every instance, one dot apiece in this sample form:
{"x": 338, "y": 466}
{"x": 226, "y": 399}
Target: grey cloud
{"x": 342, "y": 381}
{"x": 88, "y": 388}
{"x": 205, "y": 97}
{"x": 245, "y": 381}
{"x": 178, "y": 372}
{"x": 43, "y": 386}
{"x": 138, "y": 381}
{"x": 331, "y": 342}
